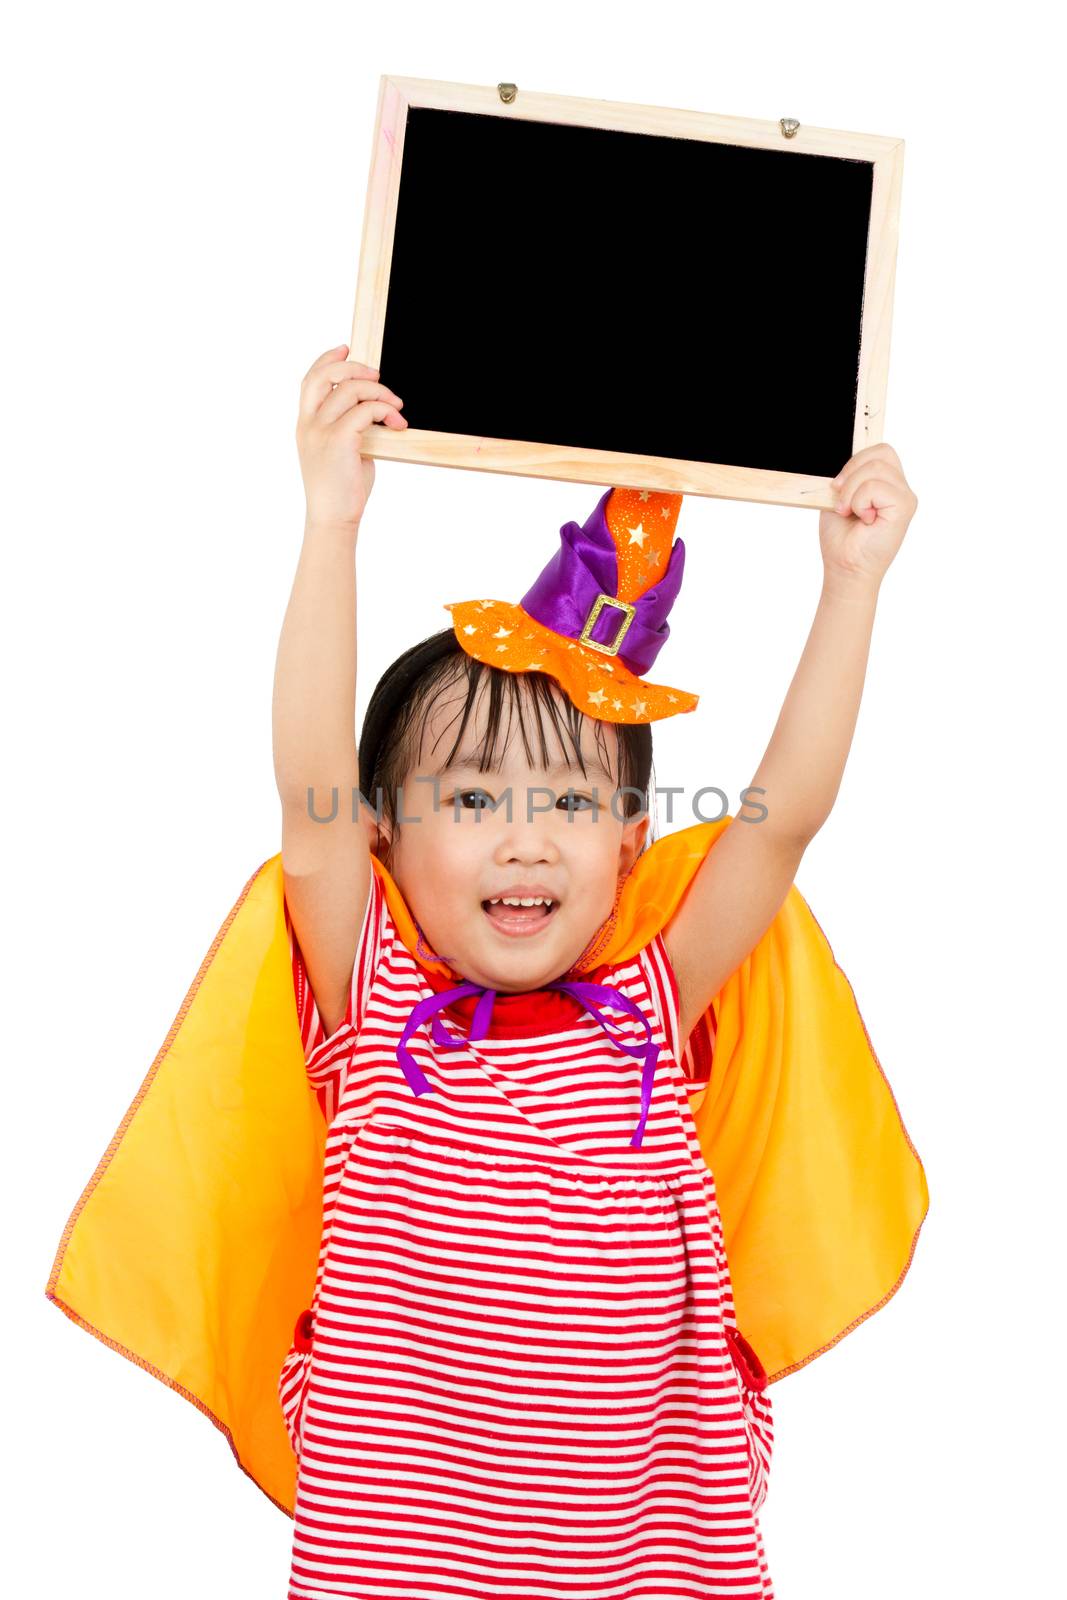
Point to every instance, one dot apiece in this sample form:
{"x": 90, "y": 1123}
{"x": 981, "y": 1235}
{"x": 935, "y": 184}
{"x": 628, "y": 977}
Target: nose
{"x": 526, "y": 842}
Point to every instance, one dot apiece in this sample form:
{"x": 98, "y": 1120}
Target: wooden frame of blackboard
{"x": 582, "y": 465}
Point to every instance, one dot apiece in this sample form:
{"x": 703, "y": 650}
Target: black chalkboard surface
{"x": 605, "y": 292}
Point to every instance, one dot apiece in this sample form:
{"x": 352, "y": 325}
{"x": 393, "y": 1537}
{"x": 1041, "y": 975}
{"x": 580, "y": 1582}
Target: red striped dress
{"x": 520, "y": 1373}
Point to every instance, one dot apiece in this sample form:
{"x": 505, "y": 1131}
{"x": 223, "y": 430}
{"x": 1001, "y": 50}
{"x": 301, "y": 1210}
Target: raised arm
{"x": 747, "y": 874}
{"x": 326, "y": 864}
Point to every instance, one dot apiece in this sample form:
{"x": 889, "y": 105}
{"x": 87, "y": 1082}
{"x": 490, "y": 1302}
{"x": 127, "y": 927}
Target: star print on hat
{"x": 596, "y": 618}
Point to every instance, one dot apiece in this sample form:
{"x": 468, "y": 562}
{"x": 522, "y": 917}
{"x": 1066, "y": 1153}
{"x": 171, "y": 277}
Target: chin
{"x": 518, "y": 967}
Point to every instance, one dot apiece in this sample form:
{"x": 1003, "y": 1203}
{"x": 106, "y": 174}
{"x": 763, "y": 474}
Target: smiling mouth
{"x": 519, "y": 921}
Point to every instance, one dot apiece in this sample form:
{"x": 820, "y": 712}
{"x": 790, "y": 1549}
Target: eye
{"x": 461, "y": 795}
{"x": 573, "y": 801}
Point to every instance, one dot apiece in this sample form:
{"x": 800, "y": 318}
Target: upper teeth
{"x": 526, "y": 900}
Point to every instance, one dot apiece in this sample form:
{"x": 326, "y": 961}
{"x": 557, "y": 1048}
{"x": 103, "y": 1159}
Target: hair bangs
{"x": 395, "y": 726}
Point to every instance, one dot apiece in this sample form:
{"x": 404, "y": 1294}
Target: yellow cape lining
{"x": 195, "y": 1243}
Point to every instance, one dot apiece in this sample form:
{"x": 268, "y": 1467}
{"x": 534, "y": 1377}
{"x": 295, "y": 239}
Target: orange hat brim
{"x": 599, "y": 685}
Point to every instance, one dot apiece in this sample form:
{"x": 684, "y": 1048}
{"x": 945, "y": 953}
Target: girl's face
{"x": 559, "y": 837}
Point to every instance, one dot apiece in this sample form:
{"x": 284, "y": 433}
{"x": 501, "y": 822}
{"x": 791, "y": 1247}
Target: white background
{"x": 184, "y": 194}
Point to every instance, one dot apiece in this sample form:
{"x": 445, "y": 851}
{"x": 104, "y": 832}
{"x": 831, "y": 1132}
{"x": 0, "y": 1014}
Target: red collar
{"x": 518, "y": 1016}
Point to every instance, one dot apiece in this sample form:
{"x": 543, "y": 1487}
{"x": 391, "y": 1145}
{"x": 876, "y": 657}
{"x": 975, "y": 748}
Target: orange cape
{"x": 194, "y": 1246}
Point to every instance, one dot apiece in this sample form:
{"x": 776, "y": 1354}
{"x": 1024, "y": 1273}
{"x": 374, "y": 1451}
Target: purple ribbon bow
{"x": 586, "y": 993}
{"x": 585, "y": 566}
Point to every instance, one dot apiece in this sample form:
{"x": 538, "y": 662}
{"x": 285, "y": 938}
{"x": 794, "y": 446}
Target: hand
{"x": 874, "y": 506}
{"x": 339, "y": 400}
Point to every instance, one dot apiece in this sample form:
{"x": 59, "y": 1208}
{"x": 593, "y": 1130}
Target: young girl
{"x": 521, "y": 1372}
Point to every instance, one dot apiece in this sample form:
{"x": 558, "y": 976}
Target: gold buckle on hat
{"x": 599, "y": 603}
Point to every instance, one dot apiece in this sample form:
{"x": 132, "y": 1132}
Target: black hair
{"x": 407, "y": 689}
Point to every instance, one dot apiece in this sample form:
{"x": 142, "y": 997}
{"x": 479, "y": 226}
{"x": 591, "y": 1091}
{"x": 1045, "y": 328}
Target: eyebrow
{"x": 467, "y": 761}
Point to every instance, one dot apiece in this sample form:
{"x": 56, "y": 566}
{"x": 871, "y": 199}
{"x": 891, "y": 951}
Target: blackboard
{"x": 600, "y": 292}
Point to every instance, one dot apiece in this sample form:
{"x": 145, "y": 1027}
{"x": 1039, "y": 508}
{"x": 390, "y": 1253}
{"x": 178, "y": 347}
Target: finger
{"x": 875, "y": 452}
{"x": 360, "y": 417}
{"x": 881, "y": 450}
{"x": 326, "y": 356}
{"x": 349, "y": 393}
{"x": 872, "y": 495}
{"x": 343, "y": 372}
{"x": 338, "y": 371}
{"x": 321, "y": 381}
{"x": 851, "y": 480}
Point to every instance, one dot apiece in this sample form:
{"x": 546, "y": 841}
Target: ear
{"x": 634, "y": 835}
{"x": 377, "y": 837}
